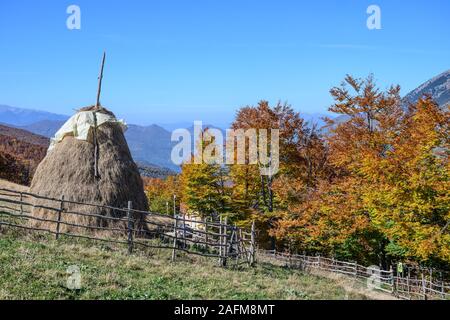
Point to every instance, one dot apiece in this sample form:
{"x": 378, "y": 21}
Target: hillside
{"x": 35, "y": 268}
{"x": 20, "y": 154}
{"x": 152, "y": 171}
{"x": 24, "y": 136}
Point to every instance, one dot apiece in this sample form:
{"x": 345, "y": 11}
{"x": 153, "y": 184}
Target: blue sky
{"x": 171, "y": 61}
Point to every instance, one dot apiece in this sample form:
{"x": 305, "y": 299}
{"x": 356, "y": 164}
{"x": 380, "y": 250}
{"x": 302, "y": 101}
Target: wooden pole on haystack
{"x": 97, "y": 105}
{"x": 100, "y": 77}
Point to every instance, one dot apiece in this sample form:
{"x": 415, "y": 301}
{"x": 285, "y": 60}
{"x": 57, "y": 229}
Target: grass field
{"x": 34, "y": 267}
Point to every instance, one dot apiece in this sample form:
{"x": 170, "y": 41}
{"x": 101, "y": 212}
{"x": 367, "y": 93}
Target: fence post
{"x": 130, "y": 228}
{"x": 431, "y": 276}
{"x": 206, "y": 234}
{"x": 253, "y": 245}
{"x": 174, "y": 205}
{"x": 175, "y": 229}
{"x": 241, "y": 242}
{"x": 391, "y": 274}
{"x": 303, "y": 266}
{"x": 230, "y": 245}
{"x": 220, "y": 241}
{"x": 424, "y": 287}
{"x": 184, "y": 231}
{"x": 21, "y": 205}
{"x": 61, "y": 208}
{"x": 407, "y": 286}
{"x": 225, "y": 234}
{"x": 238, "y": 244}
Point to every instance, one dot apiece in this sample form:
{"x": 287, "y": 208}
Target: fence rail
{"x": 217, "y": 239}
{"x": 383, "y": 280}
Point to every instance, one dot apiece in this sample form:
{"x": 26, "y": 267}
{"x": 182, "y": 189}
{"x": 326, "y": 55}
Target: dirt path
{"x": 351, "y": 285}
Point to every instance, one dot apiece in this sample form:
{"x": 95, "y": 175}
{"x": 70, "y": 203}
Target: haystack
{"x": 89, "y": 162}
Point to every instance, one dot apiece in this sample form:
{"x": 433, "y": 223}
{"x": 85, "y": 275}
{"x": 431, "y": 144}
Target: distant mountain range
{"x": 151, "y": 146}
{"x": 23, "y": 117}
{"x": 46, "y": 128}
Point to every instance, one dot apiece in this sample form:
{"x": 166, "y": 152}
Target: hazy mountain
{"x": 175, "y": 125}
{"x": 150, "y": 145}
{"x": 438, "y": 87}
{"x": 46, "y": 128}
{"x": 315, "y": 119}
{"x": 22, "y": 117}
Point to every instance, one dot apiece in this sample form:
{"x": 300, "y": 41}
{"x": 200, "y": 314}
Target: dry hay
{"x": 68, "y": 170}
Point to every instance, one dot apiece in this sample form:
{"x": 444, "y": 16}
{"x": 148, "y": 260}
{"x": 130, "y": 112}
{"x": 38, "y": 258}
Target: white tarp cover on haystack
{"x": 80, "y": 124}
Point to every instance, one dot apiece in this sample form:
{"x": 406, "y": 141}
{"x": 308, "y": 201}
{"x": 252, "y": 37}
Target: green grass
{"x": 34, "y": 267}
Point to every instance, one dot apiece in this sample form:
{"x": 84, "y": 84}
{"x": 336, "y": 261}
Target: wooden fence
{"x": 404, "y": 287}
{"x": 229, "y": 244}
{"x": 216, "y": 239}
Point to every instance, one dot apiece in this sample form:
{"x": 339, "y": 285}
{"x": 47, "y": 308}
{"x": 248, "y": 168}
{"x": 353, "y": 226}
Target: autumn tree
{"x": 333, "y": 218}
{"x": 408, "y": 196}
{"x": 160, "y": 193}
{"x": 388, "y": 195}
{"x": 254, "y": 192}
{"x": 203, "y": 185}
